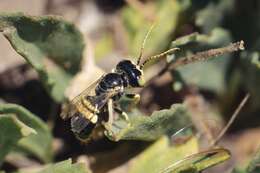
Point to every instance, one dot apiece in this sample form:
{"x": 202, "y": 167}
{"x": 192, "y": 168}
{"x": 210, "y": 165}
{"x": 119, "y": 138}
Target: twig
{"x": 199, "y": 108}
{"x": 233, "y": 117}
{"x": 200, "y": 56}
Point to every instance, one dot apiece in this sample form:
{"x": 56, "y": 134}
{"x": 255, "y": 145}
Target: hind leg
{"x": 110, "y": 125}
{"x": 109, "y": 122}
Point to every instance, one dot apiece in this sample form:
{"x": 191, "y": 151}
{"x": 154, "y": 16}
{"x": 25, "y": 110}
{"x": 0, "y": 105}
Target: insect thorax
{"x": 112, "y": 82}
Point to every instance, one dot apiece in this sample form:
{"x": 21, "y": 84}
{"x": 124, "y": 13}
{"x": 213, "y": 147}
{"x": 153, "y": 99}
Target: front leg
{"x": 129, "y": 101}
{"x": 134, "y": 97}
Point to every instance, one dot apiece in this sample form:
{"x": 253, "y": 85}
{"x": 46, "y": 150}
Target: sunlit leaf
{"x": 162, "y": 154}
{"x": 152, "y": 127}
{"x": 166, "y": 19}
{"x": 198, "y": 162}
{"x": 52, "y": 46}
{"x": 61, "y": 167}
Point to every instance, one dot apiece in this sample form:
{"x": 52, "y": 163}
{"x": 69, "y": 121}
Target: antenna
{"x": 143, "y": 44}
{"x": 169, "y": 51}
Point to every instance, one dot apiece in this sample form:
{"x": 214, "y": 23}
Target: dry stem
{"x": 233, "y": 117}
{"x": 200, "y": 56}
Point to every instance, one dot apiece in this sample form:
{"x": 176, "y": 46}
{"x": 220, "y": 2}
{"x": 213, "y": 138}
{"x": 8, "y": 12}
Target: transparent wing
{"x": 88, "y": 95}
{"x": 69, "y": 109}
{"x": 90, "y": 90}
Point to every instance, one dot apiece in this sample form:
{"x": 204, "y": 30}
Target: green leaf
{"x": 152, "y": 127}
{"x": 39, "y": 144}
{"x": 61, "y": 167}
{"x": 52, "y": 46}
{"x": 162, "y": 154}
{"x": 167, "y": 13}
{"x": 12, "y": 130}
{"x": 213, "y": 14}
{"x": 254, "y": 165}
{"x": 186, "y": 39}
{"x": 198, "y": 162}
{"x": 250, "y": 75}
{"x": 238, "y": 171}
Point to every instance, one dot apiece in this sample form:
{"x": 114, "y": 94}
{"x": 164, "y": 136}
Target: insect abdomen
{"x": 81, "y": 126}
{"x": 87, "y": 110}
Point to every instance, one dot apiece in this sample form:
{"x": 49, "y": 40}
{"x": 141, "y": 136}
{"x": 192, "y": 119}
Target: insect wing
{"x": 100, "y": 100}
{"x": 90, "y": 98}
{"x": 69, "y": 109}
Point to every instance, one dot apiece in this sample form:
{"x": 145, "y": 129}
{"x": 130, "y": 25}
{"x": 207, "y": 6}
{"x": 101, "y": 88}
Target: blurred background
{"x": 114, "y": 30}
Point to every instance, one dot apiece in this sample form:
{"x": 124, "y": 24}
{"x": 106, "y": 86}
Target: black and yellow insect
{"x": 86, "y": 108}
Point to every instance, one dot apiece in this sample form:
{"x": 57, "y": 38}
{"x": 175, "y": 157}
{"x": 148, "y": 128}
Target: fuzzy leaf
{"x": 152, "y": 127}
{"x": 52, "y": 46}
{"x": 38, "y": 144}
{"x": 61, "y": 167}
{"x": 12, "y": 130}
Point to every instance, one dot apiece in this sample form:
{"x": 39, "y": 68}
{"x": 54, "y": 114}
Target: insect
{"x": 85, "y": 109}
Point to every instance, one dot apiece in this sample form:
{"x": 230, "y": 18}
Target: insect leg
{"x": 134, "y": 97}
{"x": 108, "y": 124}
{"x": 131, "y": 100}
{"x": 110, "y": 113}
{"x": 121, "y": 113}
{"x": 111, "y": 116}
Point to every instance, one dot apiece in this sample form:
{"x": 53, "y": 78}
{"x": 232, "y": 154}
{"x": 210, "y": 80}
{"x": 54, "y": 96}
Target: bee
{"x": 85, "y": 110}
